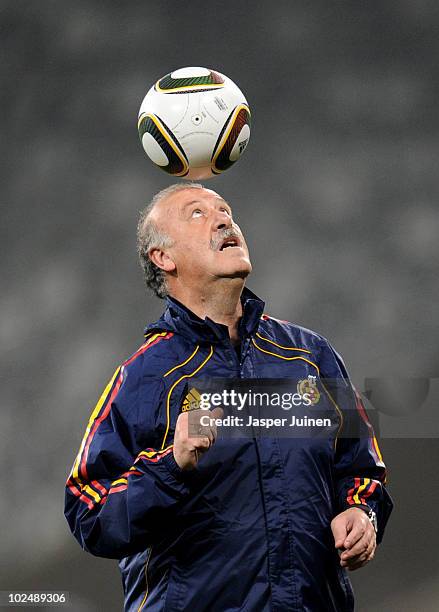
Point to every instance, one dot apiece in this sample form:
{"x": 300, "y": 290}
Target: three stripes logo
{"x": 191, "y": 401}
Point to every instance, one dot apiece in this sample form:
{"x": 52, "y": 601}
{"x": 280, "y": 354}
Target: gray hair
{"x": 149, "y": 237}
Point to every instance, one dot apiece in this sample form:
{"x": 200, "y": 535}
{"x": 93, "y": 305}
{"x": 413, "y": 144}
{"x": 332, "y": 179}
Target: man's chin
{"x": 241, "y": 272}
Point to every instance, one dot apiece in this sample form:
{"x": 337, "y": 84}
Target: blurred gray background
{"x": 337, "y": 195}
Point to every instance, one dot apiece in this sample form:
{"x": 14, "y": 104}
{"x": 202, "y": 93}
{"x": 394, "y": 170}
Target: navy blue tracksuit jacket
{"x": 249, "y": 528}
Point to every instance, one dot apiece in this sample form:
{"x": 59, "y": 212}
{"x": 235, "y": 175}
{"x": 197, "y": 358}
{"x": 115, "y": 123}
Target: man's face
{"x": 207, "y": 242}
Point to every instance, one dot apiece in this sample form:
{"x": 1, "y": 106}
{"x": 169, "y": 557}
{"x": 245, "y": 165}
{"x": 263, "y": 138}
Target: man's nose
{"x": 221, "y": 220}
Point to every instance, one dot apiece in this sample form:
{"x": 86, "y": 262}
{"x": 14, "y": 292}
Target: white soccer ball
{"x": 194, "y": 123}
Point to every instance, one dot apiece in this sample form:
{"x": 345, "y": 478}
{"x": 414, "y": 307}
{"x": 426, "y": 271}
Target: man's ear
{"x": 161, "y": 259}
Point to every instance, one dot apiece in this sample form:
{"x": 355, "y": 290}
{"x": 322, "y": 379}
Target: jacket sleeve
{"x": 360, "y": 474}
{"x": 118, "y": 497}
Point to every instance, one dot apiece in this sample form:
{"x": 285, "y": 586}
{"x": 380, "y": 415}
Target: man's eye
{"x": 226, "y": 211}
{"x": 196, "y": 212}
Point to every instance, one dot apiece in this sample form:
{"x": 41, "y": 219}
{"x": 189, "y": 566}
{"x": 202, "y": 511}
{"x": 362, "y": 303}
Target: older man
{"x": 208, "y": 524}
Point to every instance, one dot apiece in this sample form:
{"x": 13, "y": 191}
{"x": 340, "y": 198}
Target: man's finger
{"x": 216, "y": 413}
{"x": 363, "y": 559}
{"x": 354, "y": 560}
{"x": 339, "y": 532}
{"x": 367, "y": 555}
{"x": 202, "y": 443}
{"x": 358, "y": 548}
{"x": 357, "y": 532}
{"x": 361, "y": 552}
{"x": 198, "y": 424}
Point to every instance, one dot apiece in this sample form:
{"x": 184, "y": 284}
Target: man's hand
{"x": 189, "y": 448}
{"x": 354, "y": 537}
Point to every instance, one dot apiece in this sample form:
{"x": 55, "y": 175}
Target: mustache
{"x": 223, "y": 235}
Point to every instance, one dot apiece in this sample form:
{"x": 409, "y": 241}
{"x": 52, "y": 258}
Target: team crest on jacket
{"x": 191, "y": 401}
{"x": 309, "y": 386}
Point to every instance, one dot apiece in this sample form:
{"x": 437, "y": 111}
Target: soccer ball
{"x": 194, "y": 123}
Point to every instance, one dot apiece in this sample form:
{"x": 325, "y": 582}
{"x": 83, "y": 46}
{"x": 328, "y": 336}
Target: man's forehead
{"x": 191, "y": 194}
{"x": 179, "y": 200}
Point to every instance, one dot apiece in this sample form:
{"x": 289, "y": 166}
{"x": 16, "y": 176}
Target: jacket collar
{"x": 179, "y": 319}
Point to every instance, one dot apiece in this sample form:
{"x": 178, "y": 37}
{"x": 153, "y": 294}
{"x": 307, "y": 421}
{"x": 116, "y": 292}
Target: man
{"x": 205, "y": 524}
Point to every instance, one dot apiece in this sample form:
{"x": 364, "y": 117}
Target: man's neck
{"x": 220, "y": 301}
